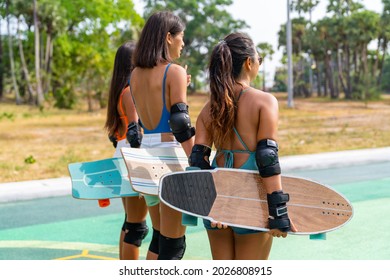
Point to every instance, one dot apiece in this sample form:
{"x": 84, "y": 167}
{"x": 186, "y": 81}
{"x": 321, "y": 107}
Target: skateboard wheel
{"x": 104, "y": 202}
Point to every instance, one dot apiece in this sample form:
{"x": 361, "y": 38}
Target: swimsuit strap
{"x": 163, "y": 85}
{"x": 240, "y": 139}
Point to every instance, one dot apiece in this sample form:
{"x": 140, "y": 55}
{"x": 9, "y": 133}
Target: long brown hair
{"x": 120, "y": 79}
{"x": 225, "y": 66}
{"x": 152, "y": 47}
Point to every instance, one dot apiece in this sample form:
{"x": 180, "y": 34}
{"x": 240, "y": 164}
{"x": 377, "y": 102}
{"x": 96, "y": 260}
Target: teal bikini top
{"x": 249, "y": 164}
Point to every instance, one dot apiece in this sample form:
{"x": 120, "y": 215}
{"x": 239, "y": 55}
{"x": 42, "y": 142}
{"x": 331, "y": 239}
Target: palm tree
{"x": 40, "y": 97}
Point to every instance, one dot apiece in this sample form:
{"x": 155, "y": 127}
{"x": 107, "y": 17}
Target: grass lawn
{"x": 38, "y": 144}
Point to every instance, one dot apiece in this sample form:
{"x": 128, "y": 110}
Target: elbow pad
{"x": 134, "y": 135}
{"x": 197, "y": 157}
{"x": 180, "y": 122}
{"x": 267, "y": 159}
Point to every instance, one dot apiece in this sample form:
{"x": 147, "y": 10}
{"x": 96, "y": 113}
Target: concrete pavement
{"x": 26, "y": 190}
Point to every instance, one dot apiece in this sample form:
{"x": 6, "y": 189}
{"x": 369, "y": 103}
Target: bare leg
{"x": 221, "y": 244}
{"x": 154, "y": 212}
{"x": 255, "y": 246}
{"x": 122, "y": 234}
{"x": 136, "y": 212}
{"x": 171, "y": 222}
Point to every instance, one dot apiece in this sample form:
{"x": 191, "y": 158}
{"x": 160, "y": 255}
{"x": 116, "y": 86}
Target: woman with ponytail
{"x": 242, "y": 123}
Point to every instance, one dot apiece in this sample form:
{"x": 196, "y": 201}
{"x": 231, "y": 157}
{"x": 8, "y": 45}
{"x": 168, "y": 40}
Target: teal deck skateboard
{"x": 100, "y": 180}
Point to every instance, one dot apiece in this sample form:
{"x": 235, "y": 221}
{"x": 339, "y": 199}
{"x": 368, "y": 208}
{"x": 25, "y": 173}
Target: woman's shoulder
{"x": 263, "y": 98}
{"x": 176, "y": 69}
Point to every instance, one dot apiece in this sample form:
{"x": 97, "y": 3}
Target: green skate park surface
{"x": 61, "y": 227}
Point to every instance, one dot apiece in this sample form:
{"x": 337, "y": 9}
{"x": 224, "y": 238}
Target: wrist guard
{"x": 277, "y": 209}
{"x": 197, "y": 157}
{"x": 134, "y": 135}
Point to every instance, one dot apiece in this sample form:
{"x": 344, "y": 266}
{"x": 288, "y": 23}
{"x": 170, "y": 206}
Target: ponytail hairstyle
{"x": 119, "y": 80}
{"x": 152, "y": 46}
{"x": 227, "y": 59}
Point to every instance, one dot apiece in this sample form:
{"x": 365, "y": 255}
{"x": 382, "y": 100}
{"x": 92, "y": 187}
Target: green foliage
{"x": 386, "y": 76}
{"x": 9, "y": 116}
{"x": 340, "y": 43}
{"x": 78, "y": 41}
{"x": 280, "y": 80}
{"x": 65, "y": 97}
{"x": 29, "y": 160}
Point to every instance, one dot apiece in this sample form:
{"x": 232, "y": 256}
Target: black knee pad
{"x": 135, "y": 233}
{"x": 172, "y": 248}
{"x": 154, "y": 243}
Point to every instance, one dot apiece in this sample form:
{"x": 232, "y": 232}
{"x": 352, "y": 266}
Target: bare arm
{"x": 177, "y": 84}
{"x": 268, "y": 128}
{"x": 129, "y": 107}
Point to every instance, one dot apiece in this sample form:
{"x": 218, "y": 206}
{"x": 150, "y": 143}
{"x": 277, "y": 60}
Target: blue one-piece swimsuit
{"x": 163, "y": 125}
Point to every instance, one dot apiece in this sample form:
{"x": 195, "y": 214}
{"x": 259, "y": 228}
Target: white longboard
{"x": 146, "y": 166}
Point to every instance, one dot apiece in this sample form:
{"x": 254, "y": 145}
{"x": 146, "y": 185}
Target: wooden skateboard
{"x": 100, "y": 180}
{"x": 237, "y": 197}
{"x": 146, "y": 165}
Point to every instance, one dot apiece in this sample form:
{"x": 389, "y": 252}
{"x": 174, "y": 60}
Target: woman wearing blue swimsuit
{"x": 242, "y": 123}
{"x": 159, "y": 89}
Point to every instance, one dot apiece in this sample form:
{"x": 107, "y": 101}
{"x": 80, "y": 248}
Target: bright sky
{"x": 266, "y": 16}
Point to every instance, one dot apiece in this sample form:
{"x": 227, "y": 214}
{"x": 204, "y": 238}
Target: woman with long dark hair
{"x": 122, "y": 128}
{"x": 242, "y": 123}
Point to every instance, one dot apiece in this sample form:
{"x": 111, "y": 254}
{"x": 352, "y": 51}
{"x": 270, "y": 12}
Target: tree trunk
{"x": 357, "y": 69}
{"x": 11, "y": 58}
{"x": 40, "y": 97}
{"x": 329, "y": 74}
{"x": 318, "y": 75}
{"x": 382, "y": 64}
{"x": 48, "y": 59}
{"x": 340, "y": 73}
{"x": 1, "y": 63}
{"x": 24, "y": 66}
{"x": 325, "y": 79}
{"x": 348, "y": 93}
{"x": 311, "y": 80}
